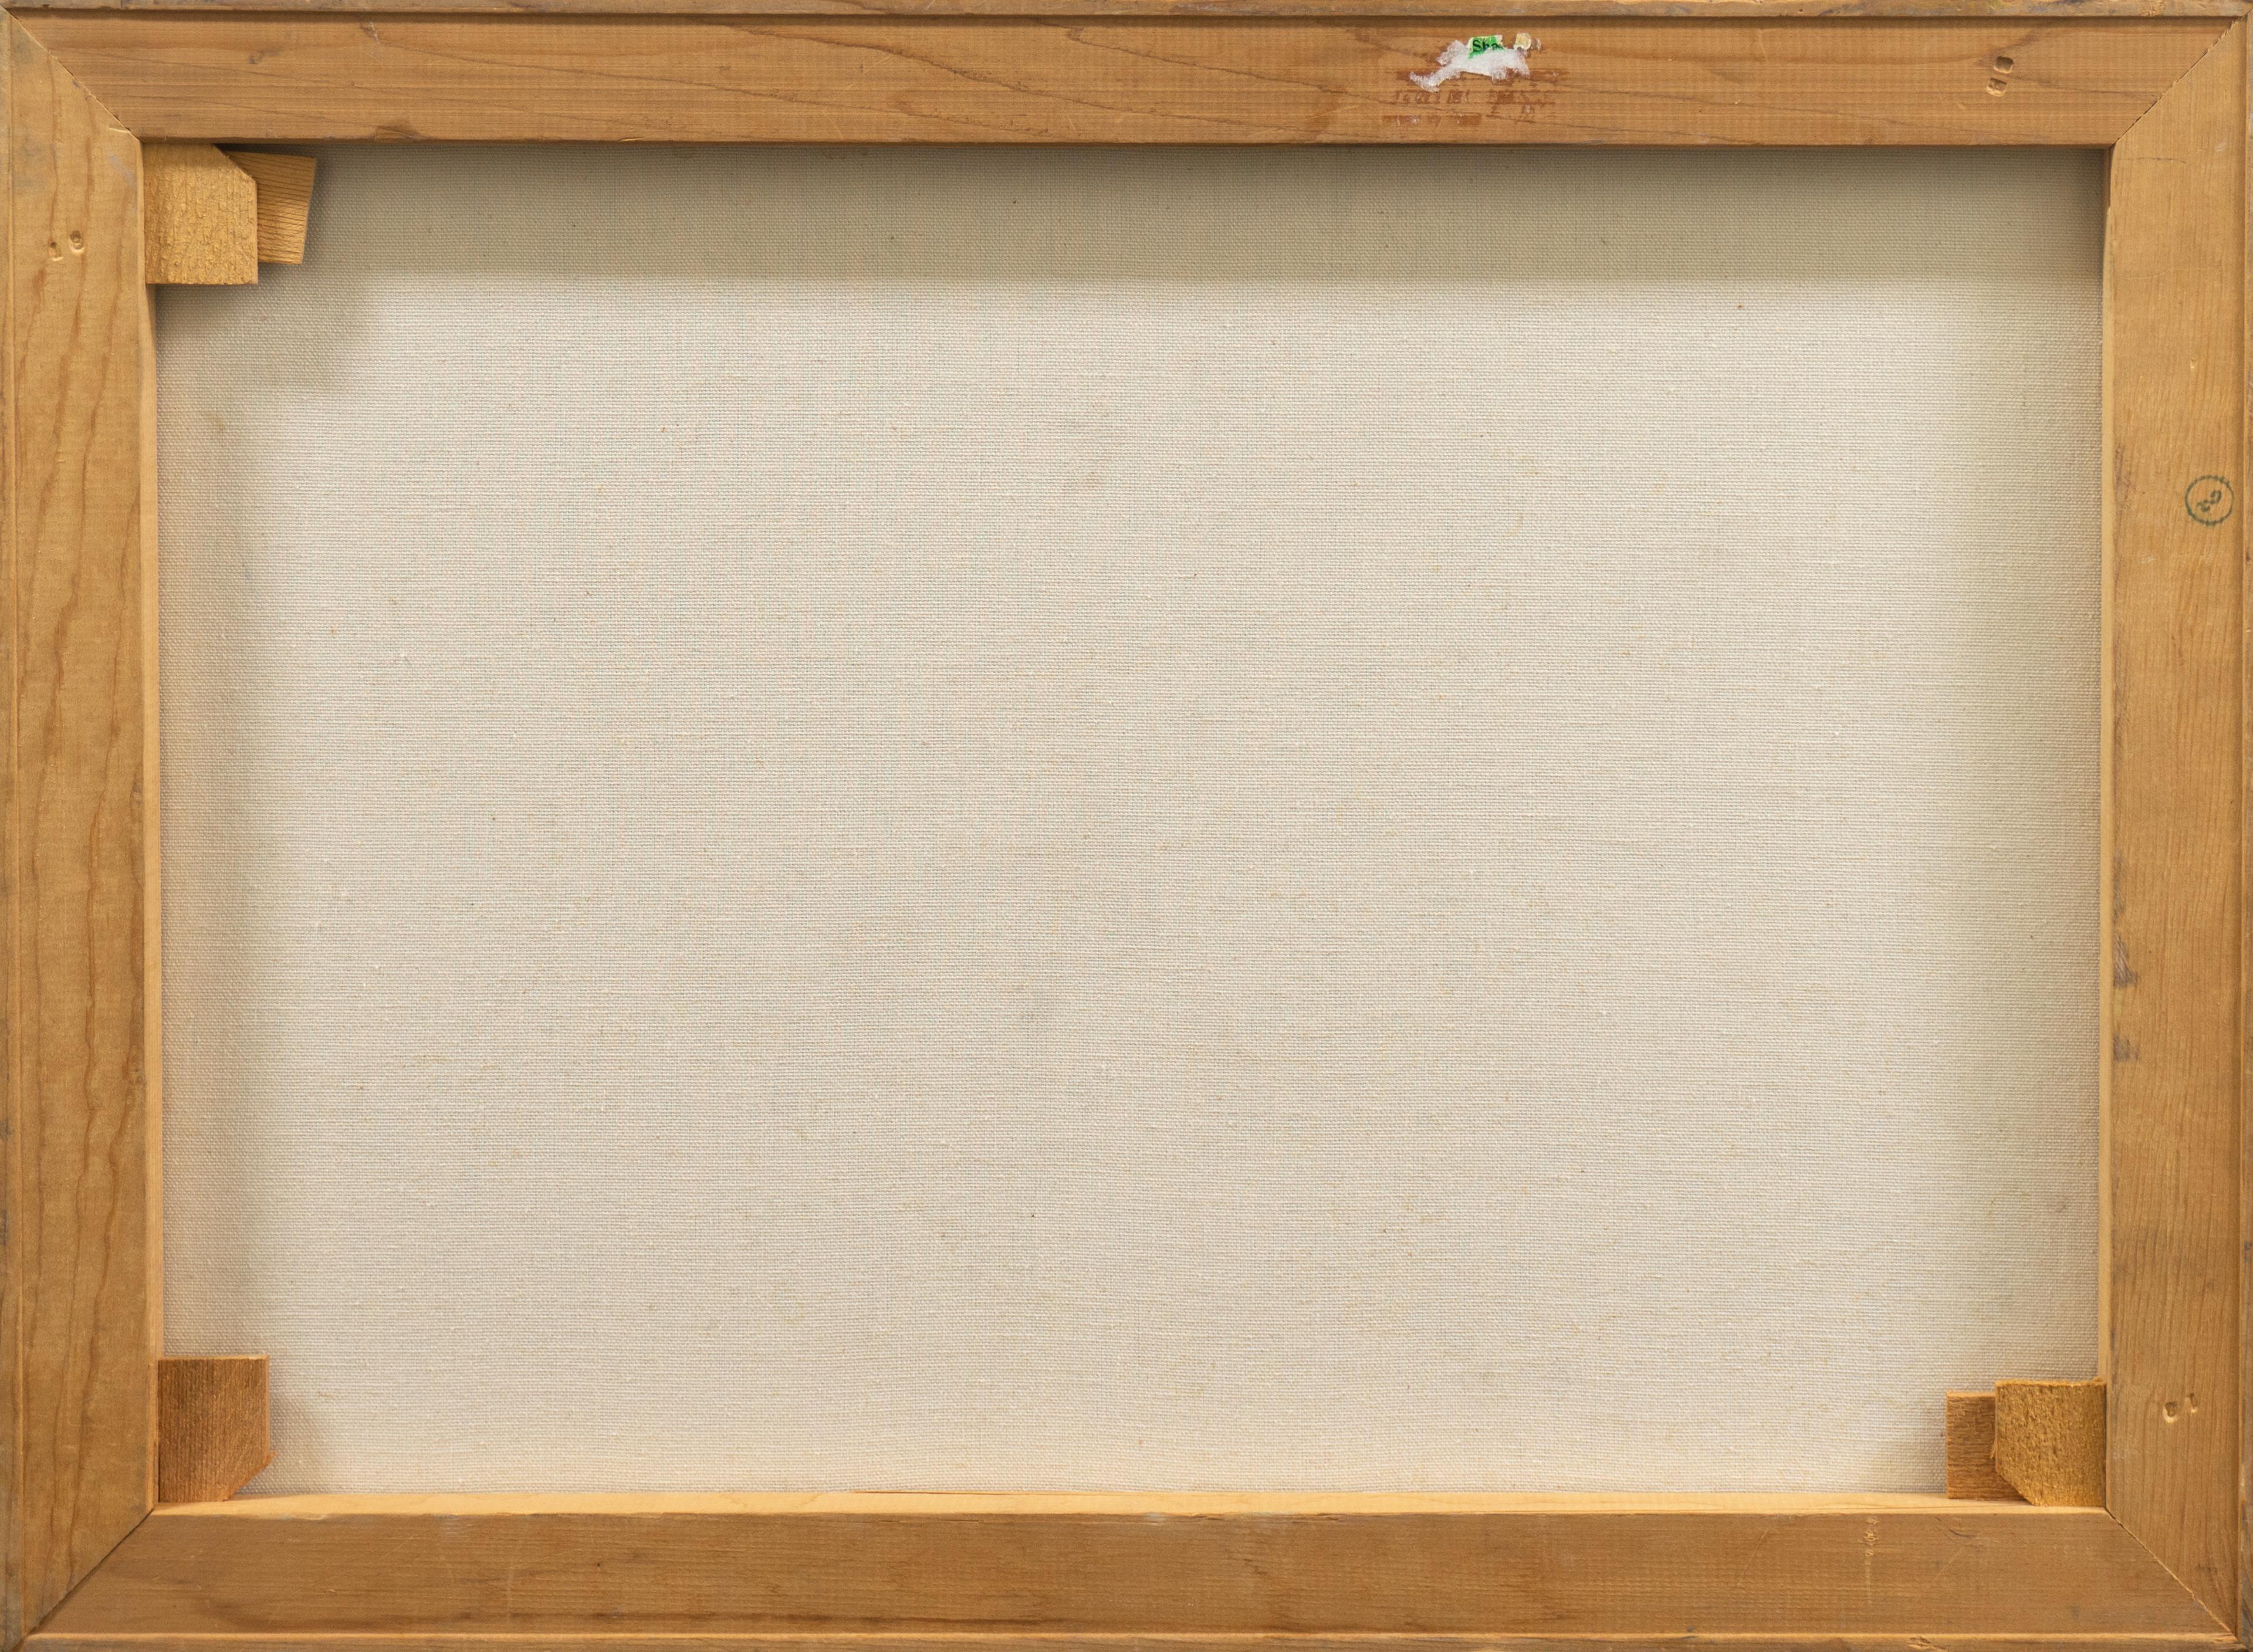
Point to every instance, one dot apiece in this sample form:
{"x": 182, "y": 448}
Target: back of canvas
{"x": 1131, "y": 819}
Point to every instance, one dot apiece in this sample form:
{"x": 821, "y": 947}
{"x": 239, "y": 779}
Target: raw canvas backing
{"x": 1016, "y": 818}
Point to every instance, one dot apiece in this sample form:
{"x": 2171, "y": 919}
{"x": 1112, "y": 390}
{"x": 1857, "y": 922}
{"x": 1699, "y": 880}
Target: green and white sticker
{"x": 1487, "y": 54}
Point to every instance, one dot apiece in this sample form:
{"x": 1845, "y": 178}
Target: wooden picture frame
{"x": 91, "y": 1562}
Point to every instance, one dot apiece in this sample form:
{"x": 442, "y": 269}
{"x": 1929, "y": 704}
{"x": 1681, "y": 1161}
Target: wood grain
{"x": 280, "y": 1571}
{"x": 78, "y": 1314}
{"x": 2175, "y": 376}
{"x": 303, "y": 78}
{"x": 212, "y": 1426}
{"x": 285, "y": 201}
{"x": 2050, "y": 1441}
{"x": 78, "y": 1333}
{"x": 885, "y": 1640}
{"x": 2244, "y": 1369}
{"x": 199, "y": 218}
{"x": 1525, "y": 10}
{"x": 1970, "y": 1440}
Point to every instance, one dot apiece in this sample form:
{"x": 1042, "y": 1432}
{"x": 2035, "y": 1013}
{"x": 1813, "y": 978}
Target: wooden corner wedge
{"x": 199, "y": 218}
{"x": 1971, "y": 1471}
{"x": 2039, "y": 1442}
{"x": 285, "y": 200}
{"x": 211, "y": 1426}
{"x": 2050, "y": 1441}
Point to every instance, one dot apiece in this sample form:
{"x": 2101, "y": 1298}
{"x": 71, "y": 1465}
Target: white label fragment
{"x": 1487, "y": 54}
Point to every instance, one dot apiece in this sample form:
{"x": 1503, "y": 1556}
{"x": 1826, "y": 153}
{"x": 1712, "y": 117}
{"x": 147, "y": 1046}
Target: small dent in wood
{"x": 1998, "y": 80}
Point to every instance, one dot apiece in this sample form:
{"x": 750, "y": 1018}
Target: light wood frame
{"x": 2160, "y": 84}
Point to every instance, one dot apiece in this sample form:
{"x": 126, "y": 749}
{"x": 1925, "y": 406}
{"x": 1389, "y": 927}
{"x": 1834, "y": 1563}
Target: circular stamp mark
{"x": 2210, "y": 500}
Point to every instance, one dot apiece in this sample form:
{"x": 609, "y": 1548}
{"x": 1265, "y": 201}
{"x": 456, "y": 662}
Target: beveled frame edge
{"x": 80, "y": 1213}
{"x": 2174, "y": 791}
{"x": 80, "y": 1324}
